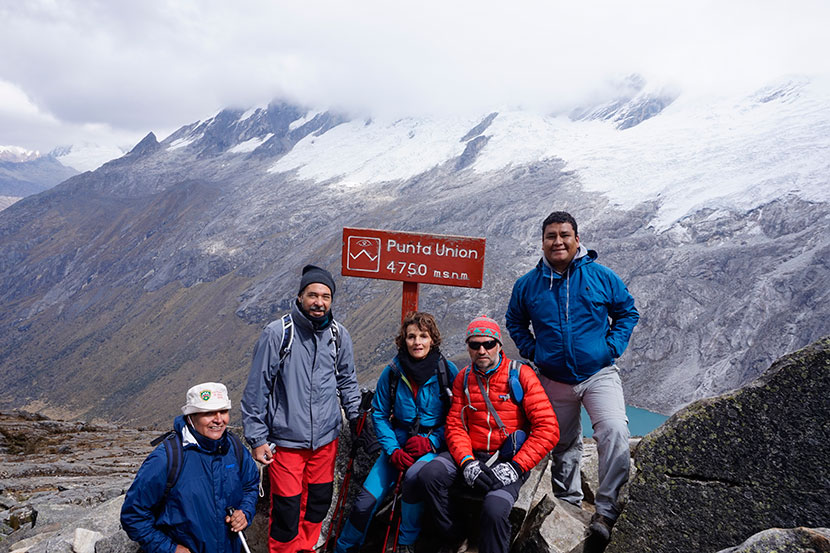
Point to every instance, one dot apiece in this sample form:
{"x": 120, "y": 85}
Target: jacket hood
{"x": 190, "y": 438}
{"x": 583, "y": 255}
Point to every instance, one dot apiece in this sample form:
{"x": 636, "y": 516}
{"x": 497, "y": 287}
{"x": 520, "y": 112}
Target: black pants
{"x": 438, "y": 477}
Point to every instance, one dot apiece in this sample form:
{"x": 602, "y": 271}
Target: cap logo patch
{"x": 205, "y": 395}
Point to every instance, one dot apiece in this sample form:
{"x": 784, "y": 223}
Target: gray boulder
{"x": 791, "y": 540}
{"x": 725, "y": 468}
{"x": 80, "y": 535}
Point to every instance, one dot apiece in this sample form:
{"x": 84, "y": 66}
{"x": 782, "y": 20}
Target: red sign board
{"x": 413, "y": 257}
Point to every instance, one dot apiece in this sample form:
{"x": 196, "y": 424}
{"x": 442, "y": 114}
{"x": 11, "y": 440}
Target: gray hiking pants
{"x": 602, "y": 397}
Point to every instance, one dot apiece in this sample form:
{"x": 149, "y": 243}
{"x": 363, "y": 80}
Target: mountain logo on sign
{"x": 364, "y": 254}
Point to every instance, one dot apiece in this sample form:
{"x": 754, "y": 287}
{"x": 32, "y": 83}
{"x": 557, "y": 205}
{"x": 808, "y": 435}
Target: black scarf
{"x": 419, "y": 370}
{"x": 318, "y": 323}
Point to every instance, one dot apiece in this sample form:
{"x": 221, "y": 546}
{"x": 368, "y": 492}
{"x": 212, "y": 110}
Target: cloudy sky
{"x": 109, "y": 71}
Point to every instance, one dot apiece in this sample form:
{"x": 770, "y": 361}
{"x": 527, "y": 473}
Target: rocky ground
{"x": 63, "y": 485}
{"x": 55, "y": 472}
{"x": 745, "y": 472}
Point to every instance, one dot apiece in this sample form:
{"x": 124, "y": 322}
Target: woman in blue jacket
{"x": 410, "y": 406}
{"x": 214, "y": 472}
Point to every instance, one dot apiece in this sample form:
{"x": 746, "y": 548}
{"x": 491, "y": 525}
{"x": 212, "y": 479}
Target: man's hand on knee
{"x": 507, "y": 472}
{"x": 478, "y": 475}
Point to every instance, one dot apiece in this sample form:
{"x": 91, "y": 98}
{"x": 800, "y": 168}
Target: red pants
{"x": 301, "y": 491}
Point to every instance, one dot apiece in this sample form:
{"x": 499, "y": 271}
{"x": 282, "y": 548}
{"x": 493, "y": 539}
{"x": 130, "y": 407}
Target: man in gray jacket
{"x": 302, "y": 372}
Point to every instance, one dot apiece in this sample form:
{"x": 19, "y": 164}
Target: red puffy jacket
{"x": 471, "y": 427}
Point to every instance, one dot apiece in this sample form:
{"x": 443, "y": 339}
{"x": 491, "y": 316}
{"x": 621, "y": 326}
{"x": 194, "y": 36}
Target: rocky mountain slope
{"x": 120, "y": 287}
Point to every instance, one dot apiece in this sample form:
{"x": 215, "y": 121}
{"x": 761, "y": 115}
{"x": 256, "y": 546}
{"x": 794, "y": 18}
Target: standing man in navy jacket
{"x": 582, "y": 317}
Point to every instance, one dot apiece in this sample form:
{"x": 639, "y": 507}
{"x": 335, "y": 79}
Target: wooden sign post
{"x": 413, "y": 258}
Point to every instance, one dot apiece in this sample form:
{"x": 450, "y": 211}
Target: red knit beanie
{"x": 484, "y": 326}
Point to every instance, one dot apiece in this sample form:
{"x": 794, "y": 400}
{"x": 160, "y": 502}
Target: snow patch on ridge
{"x": 700, "y": 151}
{"x": 708, "y": 153}
{"x": 296, "y": 124}
{"x": 86, "y": 156}
{"x": 17, "y": 154}
{"x": 356, "y": 154}
{"x": 251, "y": 144}
{"x": 183, "y": 142}
{"x": 250, "y": 113}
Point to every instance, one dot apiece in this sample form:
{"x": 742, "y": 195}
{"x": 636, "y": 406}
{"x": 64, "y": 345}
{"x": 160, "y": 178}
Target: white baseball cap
{"x": 206, "y": 397}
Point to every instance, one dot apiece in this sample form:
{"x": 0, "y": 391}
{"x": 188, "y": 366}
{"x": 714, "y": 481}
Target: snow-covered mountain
{"x": 16, "y": 154}
{"x": 165, "y": 263}
{"x": 25, "y": 172}
{"x": 86, "y": 156}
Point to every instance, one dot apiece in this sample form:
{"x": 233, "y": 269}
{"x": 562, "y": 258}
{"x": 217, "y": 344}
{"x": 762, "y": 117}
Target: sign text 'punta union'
{"x": 440, "y": 249}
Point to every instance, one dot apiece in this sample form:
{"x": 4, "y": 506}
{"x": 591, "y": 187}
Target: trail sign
{"x": 413, "y": 258}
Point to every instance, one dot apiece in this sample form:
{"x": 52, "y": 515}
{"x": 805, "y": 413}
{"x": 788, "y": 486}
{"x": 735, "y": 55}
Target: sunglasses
{"x": 489, "y": 344}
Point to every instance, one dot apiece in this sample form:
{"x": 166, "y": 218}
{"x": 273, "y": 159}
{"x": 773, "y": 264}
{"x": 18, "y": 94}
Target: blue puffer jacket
{"x": 194, "y": 513}
{"x": 406, "y": 408}
{"x": 572, "y": 338}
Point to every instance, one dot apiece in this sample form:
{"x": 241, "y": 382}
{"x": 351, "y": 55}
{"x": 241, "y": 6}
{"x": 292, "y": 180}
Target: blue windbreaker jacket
{"x": 427, "y": 405}
{"x": 194, "y": 513}
{"x": 572, "y": 338}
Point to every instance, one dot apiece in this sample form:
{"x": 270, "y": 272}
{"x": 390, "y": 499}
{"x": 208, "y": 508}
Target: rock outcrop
{"x": 791, "y": 540}
{"x": 726, "y": 468}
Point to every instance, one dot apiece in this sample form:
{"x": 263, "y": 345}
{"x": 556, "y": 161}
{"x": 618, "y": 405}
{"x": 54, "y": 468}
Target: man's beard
{"x": 316, "y": 315}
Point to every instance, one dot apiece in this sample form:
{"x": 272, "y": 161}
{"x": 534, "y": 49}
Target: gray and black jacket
{"x": 297, "y": 406}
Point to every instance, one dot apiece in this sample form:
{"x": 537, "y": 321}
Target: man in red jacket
{"x": 493, "y": 398}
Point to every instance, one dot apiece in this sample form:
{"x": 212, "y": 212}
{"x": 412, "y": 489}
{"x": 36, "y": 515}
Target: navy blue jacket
{"x": 572, "y": 337}
{"x": 194, "y": 513}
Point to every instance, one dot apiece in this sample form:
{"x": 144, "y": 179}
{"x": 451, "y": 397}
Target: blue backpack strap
{"x": 238, "y": 448}
{"x": 173, "y": 447}
{"x": 516, "y": 390}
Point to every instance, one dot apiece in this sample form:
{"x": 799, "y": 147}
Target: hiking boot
{"x": 600, "y": 526}
{"x": 405, "y": 548}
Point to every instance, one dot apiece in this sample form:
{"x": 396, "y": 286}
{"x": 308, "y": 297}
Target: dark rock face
{"x": 794, "y": 540}
{"x": 728, "y": 467}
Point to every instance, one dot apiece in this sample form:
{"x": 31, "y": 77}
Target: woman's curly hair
{"x": 424, "y": 321}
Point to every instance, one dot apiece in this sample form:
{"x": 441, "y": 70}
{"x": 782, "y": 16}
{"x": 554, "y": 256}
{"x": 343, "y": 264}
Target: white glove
{"x": 507, "y": 473}
{"x": 471, "y": 472}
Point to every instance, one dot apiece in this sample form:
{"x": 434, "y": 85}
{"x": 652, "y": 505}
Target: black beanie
{"x": 312, "y": 273}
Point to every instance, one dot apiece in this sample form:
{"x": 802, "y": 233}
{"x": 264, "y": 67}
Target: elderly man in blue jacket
{"x": 582, "y": 316}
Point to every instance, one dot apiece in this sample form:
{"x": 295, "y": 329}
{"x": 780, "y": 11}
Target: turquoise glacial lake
{"x": 640, "y": 421}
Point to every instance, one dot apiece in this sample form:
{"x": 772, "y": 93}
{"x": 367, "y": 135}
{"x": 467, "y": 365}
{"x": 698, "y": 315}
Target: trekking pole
{"x": 337, "y": 515}
{"x": 242, "y": 539}
{"x": 392, "y": 513}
